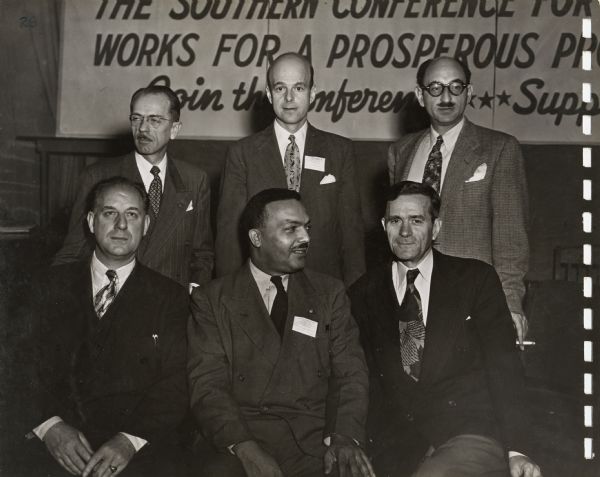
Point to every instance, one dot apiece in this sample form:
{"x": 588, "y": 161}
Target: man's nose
{"x": 289, "y": 94}
{"x": 145, "y": 124}
{"x": 446, "y": 96}
{"x": 121, "y": 222}
{"x": 303, "y": 235}
{"x": 405, "y": 229}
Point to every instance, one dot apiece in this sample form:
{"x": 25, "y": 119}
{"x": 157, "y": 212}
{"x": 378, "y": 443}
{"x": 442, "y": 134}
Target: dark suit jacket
{"x": 471, "y": 378}
{"x": 179, "y": 245}
{"x": 485, "y": 219}
{"x": 254, "y": 164}
{"x": 110, "y": 375}
{"x": 242, "y": 373}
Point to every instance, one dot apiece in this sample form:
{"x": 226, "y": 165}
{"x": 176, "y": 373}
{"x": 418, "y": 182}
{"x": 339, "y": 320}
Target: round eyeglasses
{"x": 435, "y": 88}
{"x": 154, "y": 120}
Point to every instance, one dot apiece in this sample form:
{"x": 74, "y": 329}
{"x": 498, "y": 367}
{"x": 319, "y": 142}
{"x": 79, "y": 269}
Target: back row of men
{"x": 278, "y": 381}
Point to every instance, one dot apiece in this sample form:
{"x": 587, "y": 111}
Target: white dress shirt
{"x": 417, "y": 167}
{"x": 283, "y": 139}
{"x": 144, "y": 169}
{"x": 99, "y": 280}
{"x": 265, "y": 285}
{"x": 422, "y": 282}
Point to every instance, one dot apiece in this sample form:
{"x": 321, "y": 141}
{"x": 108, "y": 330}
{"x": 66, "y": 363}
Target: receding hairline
{"x": 450, "y": 59}
{"x": 119, "y": 186}
{"x": 291, "y": 56}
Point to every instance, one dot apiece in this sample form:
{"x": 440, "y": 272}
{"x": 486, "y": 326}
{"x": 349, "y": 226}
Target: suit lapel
{"x": 248, "y": 310}
{"x": 129, "y": 168}
{"x": 268, "y": 161}
{"x": 410, "y": 150}
{"x": 458, "y": 168}
{"x": 172, "y": 210}
{"x": 443, "y": 323}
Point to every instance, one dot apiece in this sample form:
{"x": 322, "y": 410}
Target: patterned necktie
{"x": 155, "y": 190}
{"x": 433, "y": 167}
{"x": 106, "y": 294}
{"x": 293, "y": 164}
{"x": 280, "y": 305}
{"x": 412, "y": 328}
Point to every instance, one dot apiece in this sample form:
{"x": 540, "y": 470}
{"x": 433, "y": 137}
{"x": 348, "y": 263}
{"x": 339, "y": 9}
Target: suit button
{"x": 319, "y": 373}
{"x": 452, "y": 403}
{"x": 241, "y": 377}
{"x": 409, "y": 417}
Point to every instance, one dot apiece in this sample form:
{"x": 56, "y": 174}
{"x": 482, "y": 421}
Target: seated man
{"x": 277, "y": 376}
{"x": 111, "y": 351}
{"x": 440, "y": 345}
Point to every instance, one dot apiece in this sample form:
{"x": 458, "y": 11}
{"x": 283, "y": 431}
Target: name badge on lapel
{"x": 314, "y": 163}
{"x": 305, "y": 326}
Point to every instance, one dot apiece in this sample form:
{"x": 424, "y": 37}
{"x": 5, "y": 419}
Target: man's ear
{"x": 469, "y": 93}
{"x": 146, "y": 224}
{"x": 437, "y": 225}
{"x": 90, "y": 221}
{"x": 313, "y": 94}
{"x": 175, "y": 128}
{"x": 419, "y": 95}
{"x": 255, "y": 238}
{"x": 268, "y": 92}
{"x": 383, "y": 223}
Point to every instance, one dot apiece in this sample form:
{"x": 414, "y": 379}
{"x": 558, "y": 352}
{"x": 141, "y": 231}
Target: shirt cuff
{"x": 45, "y": 426}
{"x": 136, "y": 442}
{"x": 514, "y": 453}
{"x": 192, "y": 286}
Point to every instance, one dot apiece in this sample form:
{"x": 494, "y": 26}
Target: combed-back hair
{"x": 116, "y": 181}
{"x": 426, "y": 64}
{"x": 174, "y": 103}
{"x": 415, "y": 188}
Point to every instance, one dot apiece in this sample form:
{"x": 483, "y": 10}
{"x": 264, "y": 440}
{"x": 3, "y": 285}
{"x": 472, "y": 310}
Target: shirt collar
{"x": 263, "y": 280}
{"x": 99, "y": 278}
{"x": 425, "y": 267}
{"x": 449, "y": 136}
{"x": 144, "y": 165}
{"x": 283, "y": 135}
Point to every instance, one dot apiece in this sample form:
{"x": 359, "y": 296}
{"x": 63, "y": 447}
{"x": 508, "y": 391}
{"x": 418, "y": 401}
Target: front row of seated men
{"x": 278, "y": 380}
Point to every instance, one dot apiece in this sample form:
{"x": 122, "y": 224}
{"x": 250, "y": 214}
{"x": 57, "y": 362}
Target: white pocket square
{"x": 468, "y": 318}
{"x": 478, "y": 174}
{"x": 328, "y": 179}
{"x": 190, "y": 206}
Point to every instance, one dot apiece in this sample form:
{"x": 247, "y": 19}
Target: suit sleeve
{"x": 213, "y": 406}
{"x": 202, "y": 259}
{"x": 510, "y": 246}
{"x": 353, "y": 236}
{"x": 348, "y": 398}
{"x": 504, "y": 371}
{"x": 232, "y": 200}
{"x": 165, "y": 402}
{"x": 77, "y": 245}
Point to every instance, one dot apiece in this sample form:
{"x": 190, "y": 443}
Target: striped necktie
{"x": 106, "y": 294}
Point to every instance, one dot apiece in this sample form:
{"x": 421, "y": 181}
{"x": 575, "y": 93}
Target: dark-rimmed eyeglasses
{"x": 153, "y": 120}
{"x": 435, "y": 88}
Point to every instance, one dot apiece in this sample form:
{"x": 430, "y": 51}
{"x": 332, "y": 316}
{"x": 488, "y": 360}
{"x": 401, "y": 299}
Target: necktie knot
{"x": 112, "y": 275}
{"x": 411, "y": 276}
{"x": 292, "y": 139}
{"x": 277, "y": 281}
{"x": 155, "y": 171}
{"x": 439, "y": 142}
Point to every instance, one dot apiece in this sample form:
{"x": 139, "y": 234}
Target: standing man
{"x": 291, "y": 153}
{"x": 179, "y": 241}
{"x": 110, "y": 351}
{"x": 479, "y": 174}
{"x": 440, "y": 345}
{"x": 277, "y": 376}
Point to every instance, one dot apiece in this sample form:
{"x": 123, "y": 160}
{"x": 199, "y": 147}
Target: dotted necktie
{"x": 280, "y": 306}
{"x": 293, "y": 164}
{"x": 106, "y": 294}
{"x": 433, "y": 167}
{"x": 155, "y": 190}
{"x": 412, "y": 328}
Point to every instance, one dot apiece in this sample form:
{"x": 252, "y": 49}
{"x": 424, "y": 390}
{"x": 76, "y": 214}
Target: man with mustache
{"x": 294, "y": 154}
{"x": 479, "y": 174}
{"x": 277, "y": 377}
{"x": 179, "y": 241}
{"x": 110, "y": 351}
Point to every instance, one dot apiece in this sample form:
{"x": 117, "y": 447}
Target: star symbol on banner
{"x": 473, "y": 96}
{"x": 486, "y": 100}
{"x": 503, "y": 98}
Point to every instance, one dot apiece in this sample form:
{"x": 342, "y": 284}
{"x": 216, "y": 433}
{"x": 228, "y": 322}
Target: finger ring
{"x": 113, "y": 468}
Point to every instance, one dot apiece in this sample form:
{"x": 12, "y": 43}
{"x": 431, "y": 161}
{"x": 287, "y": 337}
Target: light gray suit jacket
{"x": 486, "y": 219}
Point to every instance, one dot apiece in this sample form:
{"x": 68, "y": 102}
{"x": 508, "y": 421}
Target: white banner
{"x": 525, "y": 56}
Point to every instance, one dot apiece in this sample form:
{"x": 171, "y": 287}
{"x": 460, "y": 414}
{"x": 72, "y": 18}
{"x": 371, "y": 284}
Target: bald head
{"x": 294, "y": 60}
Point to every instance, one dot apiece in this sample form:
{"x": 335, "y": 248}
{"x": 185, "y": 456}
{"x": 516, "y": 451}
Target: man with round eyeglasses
{"x": 179, "y": 241}
{"x": 479, "y": 174}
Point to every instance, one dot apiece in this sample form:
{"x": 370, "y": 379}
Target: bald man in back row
{"x": 293, "y": 154}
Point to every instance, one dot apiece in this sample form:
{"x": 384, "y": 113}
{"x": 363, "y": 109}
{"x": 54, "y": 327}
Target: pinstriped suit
{"x": 485, "y": 219}
{"x": 179, "y": 245}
